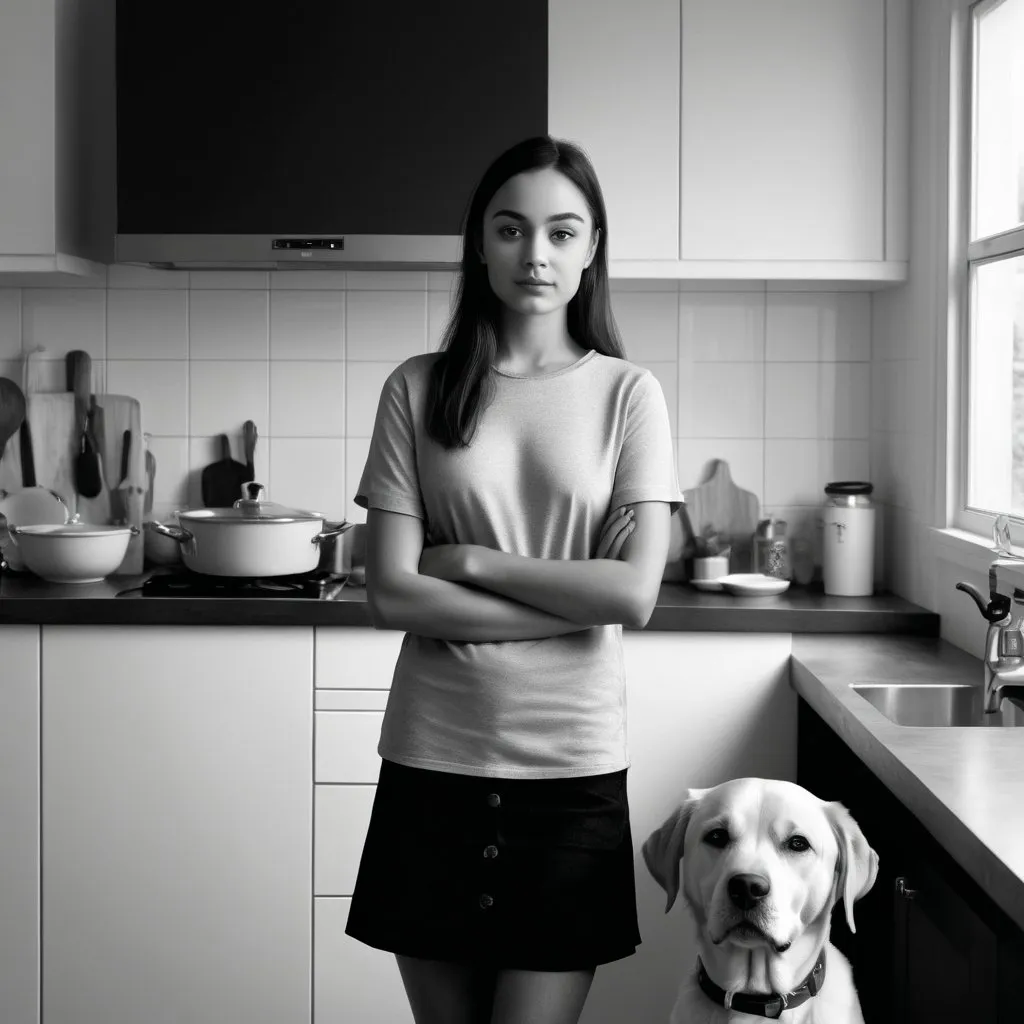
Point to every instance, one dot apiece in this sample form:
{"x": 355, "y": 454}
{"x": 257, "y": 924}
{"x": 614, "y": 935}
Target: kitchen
{"x": 810, "y": 294}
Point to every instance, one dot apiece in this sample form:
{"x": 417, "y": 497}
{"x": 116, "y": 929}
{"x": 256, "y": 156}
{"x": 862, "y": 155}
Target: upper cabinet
{"x": 738, "y": 139}
{"x": 56, "y": 132}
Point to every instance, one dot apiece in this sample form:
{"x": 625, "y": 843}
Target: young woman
{"x": 518, "y": 490}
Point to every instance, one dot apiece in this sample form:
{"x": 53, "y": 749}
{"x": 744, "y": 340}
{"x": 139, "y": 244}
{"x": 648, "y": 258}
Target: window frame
{"x": 966, "y": 256}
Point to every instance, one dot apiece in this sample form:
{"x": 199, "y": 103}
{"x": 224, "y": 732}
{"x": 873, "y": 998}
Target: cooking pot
{"x": 74, "y": 552}
{"x": 252, "y": 538}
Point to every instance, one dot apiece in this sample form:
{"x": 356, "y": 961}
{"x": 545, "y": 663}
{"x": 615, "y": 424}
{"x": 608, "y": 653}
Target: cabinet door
{"x": 946, "y": 956}
{"x": 783, "y": 130}
{"x": 19, "y": 824}
{"x": 177, "y": 825}
{"x": 356, "y": 657}
{"x": 613, "y": 88}
{"x": 701, "y": 708}
{"x": 353, "y": 983}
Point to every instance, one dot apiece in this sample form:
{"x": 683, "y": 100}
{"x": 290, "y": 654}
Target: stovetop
{"x": 318, "y": 585}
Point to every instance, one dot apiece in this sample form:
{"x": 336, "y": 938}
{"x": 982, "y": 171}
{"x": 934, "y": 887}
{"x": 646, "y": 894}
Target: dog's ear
{"x": 663, "y": 848}
{"x": 857, "y": 865}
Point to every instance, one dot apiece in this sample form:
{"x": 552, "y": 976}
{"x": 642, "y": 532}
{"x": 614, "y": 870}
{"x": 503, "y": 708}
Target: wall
{"x": 910, "y": 379}
{"x": 777, "y": 382}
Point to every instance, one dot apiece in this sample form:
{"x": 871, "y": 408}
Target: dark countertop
{"x": 965, "y": 785}
{"x": 25, "y": 599}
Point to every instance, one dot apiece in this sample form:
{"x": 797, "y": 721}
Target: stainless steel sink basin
{"x": 938, "y": 705}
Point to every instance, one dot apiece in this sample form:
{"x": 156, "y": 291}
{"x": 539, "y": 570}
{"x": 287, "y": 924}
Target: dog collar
{"x": 770, "y": 1005}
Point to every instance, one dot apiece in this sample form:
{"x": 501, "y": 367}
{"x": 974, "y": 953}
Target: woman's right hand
{"x": 615, "y": 532}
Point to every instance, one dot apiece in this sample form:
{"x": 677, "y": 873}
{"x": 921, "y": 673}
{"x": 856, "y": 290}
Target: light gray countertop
{"x": 965, "y": 785}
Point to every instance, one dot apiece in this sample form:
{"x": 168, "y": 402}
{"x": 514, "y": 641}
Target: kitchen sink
{"x": 932, "y": 705}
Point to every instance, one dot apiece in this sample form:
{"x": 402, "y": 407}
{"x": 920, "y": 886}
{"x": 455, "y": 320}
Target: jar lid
{"x": 74, "y": 528}
{"x": 252, "y": 509}
{"x": 849, "y": 487}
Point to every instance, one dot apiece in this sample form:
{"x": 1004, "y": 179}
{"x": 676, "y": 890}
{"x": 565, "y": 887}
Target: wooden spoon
{"x": 12, "y": 411}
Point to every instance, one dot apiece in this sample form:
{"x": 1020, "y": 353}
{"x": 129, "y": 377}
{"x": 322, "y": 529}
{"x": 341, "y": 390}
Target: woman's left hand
{"x": 447, "y": 561}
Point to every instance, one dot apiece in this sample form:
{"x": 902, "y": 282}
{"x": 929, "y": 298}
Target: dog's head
{"x": 761, "y": 859}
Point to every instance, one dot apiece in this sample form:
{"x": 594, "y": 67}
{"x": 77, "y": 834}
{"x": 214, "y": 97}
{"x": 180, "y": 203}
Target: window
{"x": 992, "y": 401}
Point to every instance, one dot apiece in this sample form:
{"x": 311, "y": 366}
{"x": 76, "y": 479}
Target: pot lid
{"x": 252, "y": 509}
{"x": 73, "y": 528}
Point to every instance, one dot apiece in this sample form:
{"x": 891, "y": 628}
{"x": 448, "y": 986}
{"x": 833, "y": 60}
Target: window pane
{"x": 999, "y": 118}
{"x": 996, "y": 400}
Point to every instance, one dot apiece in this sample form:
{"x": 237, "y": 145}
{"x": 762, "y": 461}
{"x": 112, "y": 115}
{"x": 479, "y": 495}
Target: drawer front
{"x": 346, "y": 746}
{"x": 351, "y": 700}
{"x": 352, "y": 982}
{"x": 356, "y": 657}
{"x": 342, "y": 815}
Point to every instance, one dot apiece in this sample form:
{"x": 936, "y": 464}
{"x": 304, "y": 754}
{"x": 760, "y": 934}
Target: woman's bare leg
{"x": 540, "y": 997}
{"x": 446, "y": 993}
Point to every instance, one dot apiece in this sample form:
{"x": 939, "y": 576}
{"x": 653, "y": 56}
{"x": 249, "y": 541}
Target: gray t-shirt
{"x": 552, "y": 455}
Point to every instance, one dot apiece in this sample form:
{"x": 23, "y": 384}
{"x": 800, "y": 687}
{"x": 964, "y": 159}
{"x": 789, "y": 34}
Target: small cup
{"x": 711, "y": 567}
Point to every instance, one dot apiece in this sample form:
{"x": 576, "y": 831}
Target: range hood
{"x": 328, "y": 134}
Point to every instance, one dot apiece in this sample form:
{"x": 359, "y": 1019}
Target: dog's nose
{"x": 747, "y": 890}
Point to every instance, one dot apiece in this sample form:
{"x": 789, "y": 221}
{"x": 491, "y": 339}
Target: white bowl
{"x": 72, "y": 553}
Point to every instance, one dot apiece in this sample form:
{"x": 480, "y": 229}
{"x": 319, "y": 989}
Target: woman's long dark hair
{"x": 461, "y": 381}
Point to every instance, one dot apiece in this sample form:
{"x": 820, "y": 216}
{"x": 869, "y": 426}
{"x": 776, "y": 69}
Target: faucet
{"x": 1004, "y": 642}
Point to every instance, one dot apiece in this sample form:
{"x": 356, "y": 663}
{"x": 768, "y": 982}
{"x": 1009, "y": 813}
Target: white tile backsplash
{"x": 778, "y": 383}
{"x": 307, "y": 324}
{"x": 232, "y": 324}
{"x": 147, "y": 323}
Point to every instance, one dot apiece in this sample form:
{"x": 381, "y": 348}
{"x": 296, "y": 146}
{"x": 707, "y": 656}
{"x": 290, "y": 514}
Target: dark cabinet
{"x": 930, "y": 945}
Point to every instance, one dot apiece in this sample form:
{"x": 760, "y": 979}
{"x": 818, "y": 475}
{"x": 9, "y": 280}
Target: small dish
{"x": 708, "y": 585}
{"x": 752, "y": 584}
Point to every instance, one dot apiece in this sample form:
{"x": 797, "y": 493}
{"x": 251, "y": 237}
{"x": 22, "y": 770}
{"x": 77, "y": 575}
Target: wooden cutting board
{"x": 730, "y": 510}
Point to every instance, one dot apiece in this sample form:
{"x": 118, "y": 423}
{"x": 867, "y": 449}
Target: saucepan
{"x": 252, "y": 538}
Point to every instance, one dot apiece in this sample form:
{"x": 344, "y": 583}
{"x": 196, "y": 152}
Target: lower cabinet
{"x": 19, "y": 824}
{"x": 930, "y": 945}
{"x": 177, "y": 825}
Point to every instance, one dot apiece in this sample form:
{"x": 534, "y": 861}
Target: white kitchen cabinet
{"x": 354, "y": 983}
{"x": 613, "y": 87}
{"x": 784, "y": 130}
{"x": 19, "y": 824}
{"x": 177, "y": 825}
{"x": 56, "y": 131}
{"x": 702, "y": 708}
{"x": 356, "y": 657}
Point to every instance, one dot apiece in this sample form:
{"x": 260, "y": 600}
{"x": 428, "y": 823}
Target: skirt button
{"x": 493, "y": 800}
{"x": 486, "y": 900}
{"x": 490, "y": 852}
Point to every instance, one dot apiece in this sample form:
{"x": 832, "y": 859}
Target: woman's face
{"x": 538, "y": 238}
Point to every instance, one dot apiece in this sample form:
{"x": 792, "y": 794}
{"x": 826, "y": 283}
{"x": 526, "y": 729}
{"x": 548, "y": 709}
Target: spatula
{"x": 12, "y": 411}
{"x": 221, "y": 482}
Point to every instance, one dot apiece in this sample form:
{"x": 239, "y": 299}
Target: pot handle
{"x": 174, "y": 532}
{"x": 335, "y": 531}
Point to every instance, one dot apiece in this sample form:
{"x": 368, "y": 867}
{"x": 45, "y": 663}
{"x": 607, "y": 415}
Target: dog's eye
{"x": 717, "y": 837}
{"x": 798, "y": 844}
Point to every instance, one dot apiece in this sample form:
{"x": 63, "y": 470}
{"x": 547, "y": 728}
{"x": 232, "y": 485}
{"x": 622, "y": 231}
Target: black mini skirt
{"x": 532, "y": 874}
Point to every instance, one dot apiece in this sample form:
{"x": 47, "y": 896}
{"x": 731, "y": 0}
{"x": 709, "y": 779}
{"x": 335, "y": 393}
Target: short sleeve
{"x": 389, "y": 480}
{"x": 646, "y": 469}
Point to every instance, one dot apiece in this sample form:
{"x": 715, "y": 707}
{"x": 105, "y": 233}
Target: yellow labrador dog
{"x": 764, "y": 862}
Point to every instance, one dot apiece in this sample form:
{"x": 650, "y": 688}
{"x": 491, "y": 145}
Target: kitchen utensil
{"x": 752, "y": 584}
{"x": 249, "y": 436}
{"x": 28, "y": 463}
{"x": 31, "y": 506}
{"x": 150, "y": 477}
{"x": 12, "y": 411}
{"x": 88, "y": 480}
{"x": 729, "y": 511}
{"x": 74, "y": 552}
{"x": 848, "y": 545}
{"x": 118, "y": 508}
{"x": 221, "y": 482}
{"x": 98, "y": 430}
{"x": 161, "y": 549}
{"x": 252, "y": 538}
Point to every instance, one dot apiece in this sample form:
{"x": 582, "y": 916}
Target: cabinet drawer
{"x": 352, "y": 982}
{"x": 356, "y": 657}
{"x": 341, "y": 815}
{"x": 346, "y": 746}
